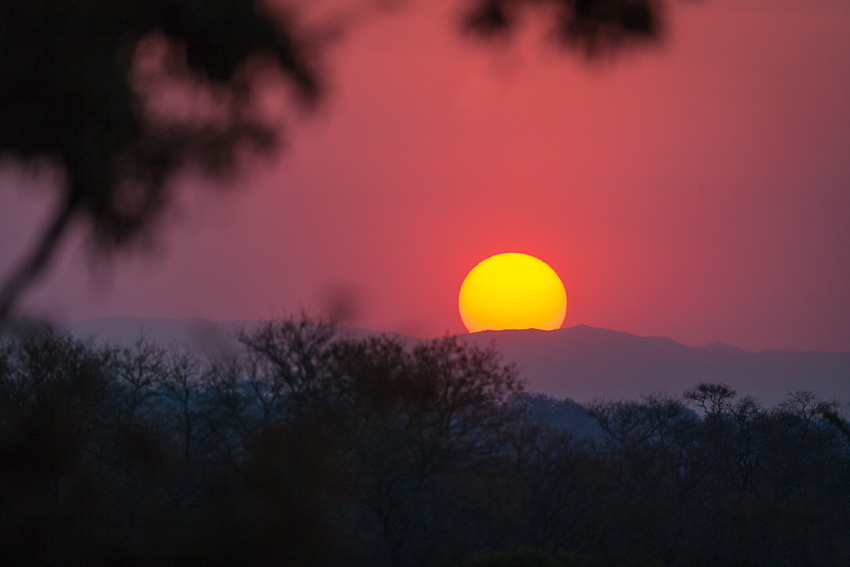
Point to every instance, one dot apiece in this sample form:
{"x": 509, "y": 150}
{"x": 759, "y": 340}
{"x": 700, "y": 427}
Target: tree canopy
{"x": 310, "y": 447}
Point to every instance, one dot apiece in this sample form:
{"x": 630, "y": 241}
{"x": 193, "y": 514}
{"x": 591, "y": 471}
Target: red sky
{"x": 699, "y": 190}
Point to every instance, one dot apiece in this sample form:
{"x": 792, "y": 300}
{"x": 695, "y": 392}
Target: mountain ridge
{"x": 578, "y": 362}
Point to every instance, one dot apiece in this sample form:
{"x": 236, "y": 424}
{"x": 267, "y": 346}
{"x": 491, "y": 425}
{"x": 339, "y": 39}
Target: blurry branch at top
{"x": 595, "y": 28}
{"x": 121, "y": 97}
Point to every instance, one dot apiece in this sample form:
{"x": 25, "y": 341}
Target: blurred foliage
{"x": 77, "y": 81}
{"x": 313, "y": 449}
{"x": 119, "y": 97}
{"x": 831, "y": 416}
{"x": 115, "y": 99}
{"x": 595, "y": 28}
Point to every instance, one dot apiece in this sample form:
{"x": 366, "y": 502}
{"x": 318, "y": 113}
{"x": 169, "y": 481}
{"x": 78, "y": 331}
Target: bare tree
{"x": 713, "y": 399}
{"x": 439, "y": 410}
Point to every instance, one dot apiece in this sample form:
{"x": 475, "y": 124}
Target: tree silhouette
{"x": 593, "y": 27}
{"x": 81, "y": 86}
{"x": 78, "y": 88}
{"x": 392, "y": 454}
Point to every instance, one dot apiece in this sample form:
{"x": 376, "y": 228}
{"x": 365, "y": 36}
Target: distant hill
{"x": 584, "y": 362}
{"x": 580, "y": 362}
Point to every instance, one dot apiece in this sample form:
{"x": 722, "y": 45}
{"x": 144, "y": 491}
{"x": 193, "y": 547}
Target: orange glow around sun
{"x": 512, "y": 291}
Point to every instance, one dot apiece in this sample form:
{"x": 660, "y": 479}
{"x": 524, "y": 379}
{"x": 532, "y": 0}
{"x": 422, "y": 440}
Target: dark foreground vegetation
{"x": 309, "y": 449}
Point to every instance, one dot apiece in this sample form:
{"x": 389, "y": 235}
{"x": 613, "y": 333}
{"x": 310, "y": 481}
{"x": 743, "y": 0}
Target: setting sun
{"x": 512, "y": 291}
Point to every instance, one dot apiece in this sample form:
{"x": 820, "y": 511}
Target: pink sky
{"x": 699, "y": 190}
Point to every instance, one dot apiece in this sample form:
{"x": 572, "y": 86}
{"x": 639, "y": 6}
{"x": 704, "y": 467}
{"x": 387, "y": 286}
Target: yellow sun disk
{"x": 512, "y": 291}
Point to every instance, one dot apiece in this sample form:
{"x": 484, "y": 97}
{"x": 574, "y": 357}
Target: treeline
{"x": 311, "y": 449}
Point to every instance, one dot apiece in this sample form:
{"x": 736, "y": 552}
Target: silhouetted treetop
{"x": 309, "y": 448}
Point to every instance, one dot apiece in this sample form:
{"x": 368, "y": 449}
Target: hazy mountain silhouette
{"x": 580, "y": 362}
{"x": 584, "y": 362}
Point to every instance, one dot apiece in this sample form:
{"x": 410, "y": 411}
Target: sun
{"x": 512, "y": 291}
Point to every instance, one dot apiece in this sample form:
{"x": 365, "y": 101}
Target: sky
{"x": 698, "y": 190}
